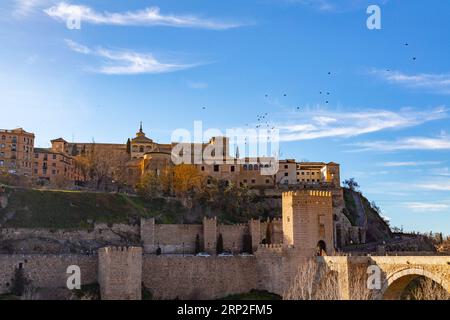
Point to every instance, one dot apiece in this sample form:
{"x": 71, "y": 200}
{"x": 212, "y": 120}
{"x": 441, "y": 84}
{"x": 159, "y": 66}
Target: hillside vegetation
{"x": 31, "y": 208}
{"x": 377, "y": 228}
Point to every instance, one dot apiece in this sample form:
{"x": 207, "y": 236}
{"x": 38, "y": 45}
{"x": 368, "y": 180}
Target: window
{"x": 44, "y": 171}
{"x": 13, "y": 147}
{"x": 2, "y": 154}
{"x": 267, "y": 181}
{"x": 245, "y": 180}
{"x": 2, "y": 145}
{"x": 232, "y": 168}
{"x": 250, "y": 167}
{"x": 245, "y": 167}
{"x": 313, "y": 173}
{"x": 35, "y": 171}
{"x": 53, "y": 164}
{"x": 253, "y": 181}
{"x": 298, "y": 173}
{"x": 256, "y": 167}
{"x": 141, "y": 149}
{"x": 36, "y": 155}
{"x": 303, "y": 173}
{"x": 286, "y": 166}
{"x": 203, "y": 168}
{"x": 3, "y": 138}
{"x": 54, "y": 157}
{"x": 2, "y": 163}
{"x": 286, "y": 174}
{"x": 53, "y": 172}
{"x": 216, "y": 168}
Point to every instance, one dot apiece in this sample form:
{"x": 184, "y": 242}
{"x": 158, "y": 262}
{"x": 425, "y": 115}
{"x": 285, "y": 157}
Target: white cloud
{"x": 444, "y": 172}
{"x": 197, "y": 85}
{"x": 409, "y": 163}
{"x": 336, "y": 6}
{"x": 425, "y": 206}
{"x": 147, "y": 17}
{"x": 410, "y": 143}
{"x": 23, "y": 8}
{"x": 436, "y": 185}
{"x": 321, "y": 5}
{"x": 439, "y": 83}
{"x": 126, "y": 62}
{"x": 325, "y": 123}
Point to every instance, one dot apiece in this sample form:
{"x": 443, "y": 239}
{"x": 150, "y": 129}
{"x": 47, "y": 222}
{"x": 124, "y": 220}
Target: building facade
{"x": 141, "y": 154}
{"x": 16, "y": 150}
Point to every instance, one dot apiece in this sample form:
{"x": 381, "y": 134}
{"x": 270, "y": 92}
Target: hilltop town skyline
{"x": 375, "y": 101}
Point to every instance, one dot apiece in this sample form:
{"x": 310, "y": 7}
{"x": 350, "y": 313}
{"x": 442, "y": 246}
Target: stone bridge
{"x": 396, "y": 272}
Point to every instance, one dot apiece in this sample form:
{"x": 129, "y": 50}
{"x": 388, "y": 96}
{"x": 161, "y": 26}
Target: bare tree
{"x": 314, "y": 281}
{"x": 427, "y": 289}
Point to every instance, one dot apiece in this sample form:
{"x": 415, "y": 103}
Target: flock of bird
{"x": 262, "y": 120}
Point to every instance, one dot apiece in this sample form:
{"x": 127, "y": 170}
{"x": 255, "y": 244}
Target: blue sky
{"x": 387, "y": 117}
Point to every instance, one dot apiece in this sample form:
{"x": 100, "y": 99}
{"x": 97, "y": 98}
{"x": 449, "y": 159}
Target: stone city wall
{"x": 171, "y": 277}
{"x": 46, "y": 270}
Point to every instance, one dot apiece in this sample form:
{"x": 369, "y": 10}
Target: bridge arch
{"x": 397, "y": 282}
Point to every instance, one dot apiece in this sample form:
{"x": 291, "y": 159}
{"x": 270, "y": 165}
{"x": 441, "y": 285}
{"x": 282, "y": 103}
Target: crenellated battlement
{"x": 120, "y": 249}
{"x": 271, "y": 246}
{"x": 311, "y": 193}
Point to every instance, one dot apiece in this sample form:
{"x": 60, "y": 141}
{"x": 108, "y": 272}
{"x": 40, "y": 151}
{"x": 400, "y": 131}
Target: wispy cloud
{"x": 409, "y": 163}
{"x": 146, "y": 17}
{"x": 23, "y": 8}
{"x": 435, "y": 185}
{"x": 410, "y": 143}
{"x": 426, "y": 206}
{"x": 197, "y": 85}
{"x": 444, "y": 172}
{"x": 336, "y": 5}
{"x": 438, "y": 83}
{"x": 126, "y": 62}
{"x": 322, "y": 5}
{"x": 326, "y": 123}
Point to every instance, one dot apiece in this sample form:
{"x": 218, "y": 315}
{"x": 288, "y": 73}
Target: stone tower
{"x": 210, "y": 235}
{"x": 148, "y": 235}
{"x": 308, "y": 221}
{"x": 120, "y": 273}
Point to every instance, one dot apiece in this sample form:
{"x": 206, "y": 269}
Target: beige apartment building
{"x": 16, "y": 150}
{"x": 141, "y": 154}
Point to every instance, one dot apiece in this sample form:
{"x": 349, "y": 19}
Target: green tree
{"x": 351, "y": 184}
{"x": 129, "y": 146}
{"x": 219, "y": 246}
{"x": 198, "y": 247}
{"x": 19, "y": 282}
{"x": 247, "y": 245}
{"x": 269, "y": 233}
